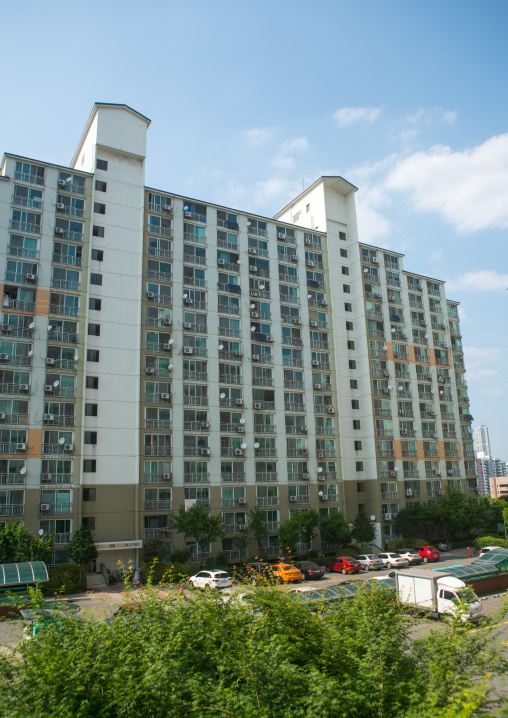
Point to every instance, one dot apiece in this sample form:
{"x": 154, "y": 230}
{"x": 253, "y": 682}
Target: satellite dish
{"x": 170, "y": 367}
{"x": 256, "y": 445}
{"x": 242, "y": 420}
{"x": 31, "y": 325}
{"x": 170, "y": 341}
{"x": 222, "y": 396}
{"x": 395, "y": 468}
{"x": 253, "y": 329}
{"x": 372, "y": 517}
{"x": 441, "y": 392}
{"x": 365, "y": 271}
{"x": 415, "y": 427}
{"x": 243, "y": 446}
{"x": 22, "y": 471}
{"x": 261, "y": 286}
{"x": 385, "y": 347}
{"x": 30, "y": 353}
{"x": 221, "y": 347}
{"x": 41, "y": 532}
{"x": 76, "y": 357}
{"x": 432, "y": 391}
{"x": 400, "y": 388}
{"x": 185, "y": 296}
{"x": 185, "y": 207}
{"x": 320, "y": 469}
{"x": 49, "y": 327}
{"x": 238, "y": 261}
{"x": 248, "y": 224}
{"x": 320, "y": 493}
{"x": 56, "y": 383}
{"x": 393, "y": 330}
{"x": 252, "y": 306}
{"x": 309, "y": 296}
{"x": 61, "y": 441}
{"x": 389, "y": 387}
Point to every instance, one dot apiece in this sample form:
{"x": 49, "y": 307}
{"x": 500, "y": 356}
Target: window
{"x": 90, "y": 466}
{"x": 307, "y": 207}
{"x": 346, "y": 288}
{"x": 350, "y": 344}
{"x": 343, "y": 252}
{"x": 94, "y": 330}
{"x": 91, "y": 409}
{"x": 356, "y": 424}
{"x": 98, "y": 231}
{"x": 96, "y": 279}
{"x": 345, "y": 270}
{"x": 92, "y": 382}
{"x": 360, "y": 486}
{"x": 359, "y": 465}
{"x": 102, "y": 165}
{"x": 88, "y": 494}
{"x": 353, "y": 383}
{"x": 101, "y": 186}
{"x": 358, "y": 445}
{"x": 90, "y": 437}
{"x": 92, "y": 355}
{"x": 89, "y": 522}
{"x": 349, "y": 326}
{"x": 348, "y": 307}
{"x": 99, "y": 208}
{"x": 355, "y": 404}
{"x": 98, "y": 255}
{"x": 94, "y": 304}
{"x": 342, "y": 235}
{"x": 352, "y": 363}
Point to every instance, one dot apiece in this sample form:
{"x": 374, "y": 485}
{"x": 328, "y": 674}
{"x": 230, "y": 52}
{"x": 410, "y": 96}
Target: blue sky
{"x": 251, "y": 101}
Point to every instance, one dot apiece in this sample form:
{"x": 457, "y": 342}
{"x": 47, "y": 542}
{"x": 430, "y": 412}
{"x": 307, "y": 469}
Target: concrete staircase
{"x": 95, "y": 581}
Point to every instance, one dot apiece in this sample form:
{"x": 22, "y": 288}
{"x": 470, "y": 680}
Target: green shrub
{"x": 406, "y": 543}
{"x": 181, "y": 556}
{"x": 482, "y": 541}
{"x": 64, "y": 580}
{"x": 162, "y": 572}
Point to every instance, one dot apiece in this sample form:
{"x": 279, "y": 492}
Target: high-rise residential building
{"x": 481, "y": 434}
{"x": 158, "y": 350}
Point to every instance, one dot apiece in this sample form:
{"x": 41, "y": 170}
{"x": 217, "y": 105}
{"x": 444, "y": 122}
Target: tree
{"x": 257, "y": 524}
{"x": 335, "y": 529}
{"x": 82, "y": 548}
{"x": 363, "y": 528}
{"x": 18, "y": 545}
{"x": 307, "y": 522}
{"x": 199, "y": 524}
{"x": 288, "y": 535}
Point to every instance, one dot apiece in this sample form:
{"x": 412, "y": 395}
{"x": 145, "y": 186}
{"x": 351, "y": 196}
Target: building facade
{"x": 159, "y": 351}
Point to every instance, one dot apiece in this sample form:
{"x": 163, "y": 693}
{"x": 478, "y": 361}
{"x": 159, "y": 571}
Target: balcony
{"x": 389, "y": 495}
{"x": 265, "y": 429}
{"x": 293, "y": 384}
{"x": 62, "y": 310}
{"x": 266, "y": 476}
{"x": 164, "y": 533}
{"x": 14, "y": 389}
{"x": 14, "y": 360}
{"x": 12, "y": 509}
{"x": 382, "y": 412}
{"x": 379, "y": 334}
{"x": 27, "y": 177}
{"x": 25, "y": 227}
{"x": 230, "y": 379}
{"x": 378, "y": 353}
{"x": 265, "y": 453}
{"x": 318, "y": 344}
{"x": 156, "y": 252}
{"x": 60, "y": 539}
{"x": 201, "y": 478}
{"x": 161, "y": 231}
{"x": 238, "y": 477}
{"x": 158, "y": 505}
{"x": 384, "y": 432}
{"x": 412, "y": 474}
{"x": 55, "y": 509}
{"x": 292, "y": 341}
{"x": 262, "y": 381}
{"x": 158, "y": 450}
{"x": 70, "y": 211}
{"x": 386, "y": 453}
{"x": 299, "y": 500}
{"x": 67, "y": 234}
{"x": 13, "y": 419}
{"x": 287, "y": 299}
{"x": 294, "y": 407}
{"x": 18, "y": 278}
{"x": 57, "y": 449}
{"x": 235, "y": 528}
{"x": 409, "y": 453}
{"x": 12, "y": 479}
{"x": 195, "y": 238}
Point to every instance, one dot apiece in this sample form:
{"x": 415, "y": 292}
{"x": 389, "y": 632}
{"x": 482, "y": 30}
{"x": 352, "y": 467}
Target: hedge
{"x": 482, "y": 541}
{"x": 64, "y": 580}
{"x": 406, "y": 543}
{"x": 160, "y": 571}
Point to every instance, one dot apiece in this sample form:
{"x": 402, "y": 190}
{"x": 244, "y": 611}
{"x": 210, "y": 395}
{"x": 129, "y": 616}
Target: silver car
{"x": 370, "y": 562}
{"x": 393, "y": 559}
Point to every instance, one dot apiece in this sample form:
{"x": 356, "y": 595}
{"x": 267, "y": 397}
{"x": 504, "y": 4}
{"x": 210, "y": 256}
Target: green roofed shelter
{"x": 15, "y": 574}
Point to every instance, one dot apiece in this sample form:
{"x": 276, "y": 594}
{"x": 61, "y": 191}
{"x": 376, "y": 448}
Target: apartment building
{"x": 158, "y": 350}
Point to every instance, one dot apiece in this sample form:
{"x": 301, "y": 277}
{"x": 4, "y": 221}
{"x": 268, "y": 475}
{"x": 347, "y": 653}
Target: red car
{"x": 343, "y": 564}
{"x": 428, "y": 553}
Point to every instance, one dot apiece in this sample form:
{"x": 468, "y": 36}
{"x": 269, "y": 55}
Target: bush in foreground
{"x": 64, "y": 580}
{"x": 205, "y": 656}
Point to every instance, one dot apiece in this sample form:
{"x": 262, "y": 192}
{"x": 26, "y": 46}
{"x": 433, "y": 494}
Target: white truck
{"x": 438, "y": 592}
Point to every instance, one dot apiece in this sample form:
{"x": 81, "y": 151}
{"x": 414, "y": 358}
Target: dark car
{"x": 343, "y": 564}
{"x": 255, "y": 573}
{"x": 310, "y": 570}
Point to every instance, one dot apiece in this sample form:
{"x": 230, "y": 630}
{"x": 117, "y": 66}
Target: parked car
{"x": 343, "y": 564}
{"x": 393, "y": 559}
{"x": 286, "y": 573}
{"x": 428, "y": 553}
{"x": 370, "y": 562}
{"x": 310, "y": 570}
{"x": 255, "y": 572}
{"x": 487, "y": 549}
{"x": 210, "y": 579}
{"x": 411, "y": 555}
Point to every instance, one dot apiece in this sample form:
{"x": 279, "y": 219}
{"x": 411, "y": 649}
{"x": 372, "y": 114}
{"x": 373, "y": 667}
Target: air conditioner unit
{"x": 315, "y": 362}
{"x": 58, "y": 230}
{"x": 445, "y": 344}
{"x": 252, "y": 250}
{"x": 20, "y": 447}
{"x": 187, "y": 215}
{"x": 375, "y": 260}
{"x": 330, "y": 410}
{"x": 7, "y": 328}
{"x": 386, "y": 391}
{"x": 433, "y": 413}
{"x": 238, "y": 452}
{"x": 242, "y": 501}
{"x": 205, "y": 452}
{"x": 256, "y": 357}
{"x": 167, "y": 208}
{"x": 242, "y": 527}
{"x": 321, "y": 477}
{"x": 423, "y": 323}
{"x": 293, "y": 499}
{"x": 238, "y": 353}
{"x": 294, "y": 258}
{"x": 269, "y": 338}
{"x": 188, "y": 300}
{"x": 310, "y": 263}
{"x": 221, "y": 262}
{"x": 440, "y": 492}
{"x": 307, "y": 242}
{"x": 304, "y": 452}
{"x": 436, "y": 472}
{"x": 205, "y": 424}
{"x": 167, "y": 322}
{"x": 3, "y": 415}
{"x": 49, "y": 361}
{"x": 188, "y": 350}
{"x": 450, "y": 472}
{"x": 391, "y": 473}
{"x": 166, "y": 477}
{"x": 31, "y": 277}
{"x": 313, "y": 323}
{"x": 403, "y": 432}
{"x": 167, "y": 347}
{"x": 254, "y": 293}
{"x": 239, "y": 402}
{"x": 409, "y": 492}
{"x": 5, "y": 357}
{"x": 317, "y": 386}
{"x": 418, "y": 288}
{"x": 303, "y": 429}
{"x": 47, "y": 478}
{"x": 240, "y": 429}
{"x": 281, "y": 235}
{"x": 255, "y": 315}
{"x": 68, "y": 447}
{"x": 297, "y": 321}
{"x": 253, "y": 268}
{"x": 60, "y": 205}
{"x": 324, "y": 303}
{"x": 150, "y": 295}
{"x": 391, "y": 298}
{"x": 149, "y": 370}
{"x": 257, "y": 405}
{"x": 24, "y": 387}
{"x": 323, "y": 498}
{"x": 401, "y": 412}
{"x": 49, "y": 417}
{"x": 165, "y": 396}
{"x": 306, "y": 476}
{"x": 187, "y": 325}
{"x": 45, "y": 507}
{"x": 320, "y": 454}
{"x": 61, "y": 183}
{"x": 386, "y": 373}
{"x": 387, "y": 517}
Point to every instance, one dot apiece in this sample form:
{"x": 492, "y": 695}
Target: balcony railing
{"x": 12, "y": 479}
{"x": 195, "y": 400}
{"x": 13, "y": 419}
{"x": 63, "y": 310}
{"x": 13, "y": 389}
{"x": 56, "y": 508}
{"x": 12, "y": 509}
{"x": 389, "y": 495}
{"x": 163, "y": 533}
{"x": 23, "y": 252}
{"x": 266, "y": 476}
{"x": 299, "y": 499}
{"x": 156, "y": 252}
{"x": 25, "y": 227}
{"x": 234, "y": 477}
{"x": 157, "y": 477}
{"x": 158, "y": 450}
{"x": 267, "y": 500}
{"x": 161, "y": 231}
{"x": 27, "y": 177}
{"x": 14, "y": 360}
{"x": 57, "y": 478}
{"x": 158, "y": 505}
{"x": 60, "y": 539}
{"x": 196, "y": 238}
{"x": 201, "y": 478}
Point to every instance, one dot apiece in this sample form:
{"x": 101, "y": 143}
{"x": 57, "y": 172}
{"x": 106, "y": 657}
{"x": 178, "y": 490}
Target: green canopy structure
{"x": 15, "y": 574}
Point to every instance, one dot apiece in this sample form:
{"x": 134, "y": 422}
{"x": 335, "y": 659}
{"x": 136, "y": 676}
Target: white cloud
{"x": 482, "y": 281}
{"x": 275, "y": 189}
{"x": 284, "y": 158}
{"x": 432, "y": 114}
{"x": 481, "y": 362}
{"x": 351, "y": 115}
{"x": 258, "y": 136}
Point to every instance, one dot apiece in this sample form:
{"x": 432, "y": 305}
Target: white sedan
{"x": 393, "y": 559}
{"x": 210, "y": 579}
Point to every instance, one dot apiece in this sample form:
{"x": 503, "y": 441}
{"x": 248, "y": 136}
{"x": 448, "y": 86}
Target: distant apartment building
{"x": 487, "y": 466}
{"x": 159, "y": 350}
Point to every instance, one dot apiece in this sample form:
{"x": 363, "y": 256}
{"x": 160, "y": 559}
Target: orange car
{"x": 286, "y": 573}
